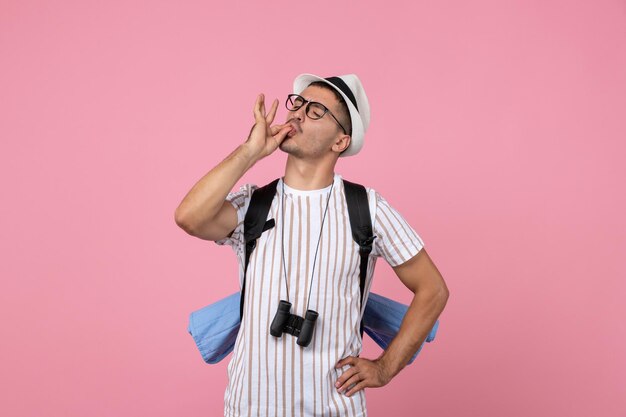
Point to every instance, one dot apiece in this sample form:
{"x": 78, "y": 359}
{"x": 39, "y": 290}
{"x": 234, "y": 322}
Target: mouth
{"x": 294, "y": 129}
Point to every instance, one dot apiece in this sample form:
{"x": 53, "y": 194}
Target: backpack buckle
{"x": 366, "y": 245}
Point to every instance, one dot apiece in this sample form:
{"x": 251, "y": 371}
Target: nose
{"x": 300, "y": 114}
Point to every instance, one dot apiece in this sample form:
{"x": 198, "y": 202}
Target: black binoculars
{"x": 285, "y": 322}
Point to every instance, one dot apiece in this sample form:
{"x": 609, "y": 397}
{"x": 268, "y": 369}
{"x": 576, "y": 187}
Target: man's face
{"x": 313, "y": 138}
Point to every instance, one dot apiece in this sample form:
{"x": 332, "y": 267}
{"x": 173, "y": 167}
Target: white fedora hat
{"x": 351, "y": 89}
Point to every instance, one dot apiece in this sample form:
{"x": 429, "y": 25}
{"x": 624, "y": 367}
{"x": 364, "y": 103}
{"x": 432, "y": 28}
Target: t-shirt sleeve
{"x": 396, "y": 240}
{"x": 240, "y": 199}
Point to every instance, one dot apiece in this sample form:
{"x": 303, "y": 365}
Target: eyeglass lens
{"x": 314, "y": 110}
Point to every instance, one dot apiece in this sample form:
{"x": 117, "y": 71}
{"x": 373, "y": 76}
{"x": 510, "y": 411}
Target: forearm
{"x": 416, "y": 325}
{"x": 206, "y": 197}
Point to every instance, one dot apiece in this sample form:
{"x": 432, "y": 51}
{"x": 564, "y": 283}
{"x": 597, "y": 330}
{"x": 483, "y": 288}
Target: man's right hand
{"x": 204, "y": 212}
{"x": 264, "y": 138}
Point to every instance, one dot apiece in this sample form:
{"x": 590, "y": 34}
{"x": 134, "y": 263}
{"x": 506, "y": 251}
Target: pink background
{"x": 505, "y": 121}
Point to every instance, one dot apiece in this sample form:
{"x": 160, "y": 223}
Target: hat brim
{"x": 356, "y": 139}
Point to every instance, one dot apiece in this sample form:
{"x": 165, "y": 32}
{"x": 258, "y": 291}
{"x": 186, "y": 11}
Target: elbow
{"x": 443, "y": 292}
{"x": 444, "y": 289}
{"x": 182, "y": 221}
{"x": 439, "y": 292}
{"x": 445, "y": 295}
{"x": 441, "y": 289}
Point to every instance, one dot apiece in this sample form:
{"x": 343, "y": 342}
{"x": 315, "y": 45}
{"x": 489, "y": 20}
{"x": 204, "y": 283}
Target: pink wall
{"x": 507, "y": 121}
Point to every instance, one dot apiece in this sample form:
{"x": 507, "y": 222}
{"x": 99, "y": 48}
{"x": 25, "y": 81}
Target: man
{"x": 310, "y": 259}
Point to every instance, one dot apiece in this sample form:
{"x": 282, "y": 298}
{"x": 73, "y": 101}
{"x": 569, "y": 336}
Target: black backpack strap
{"x": 255, "y": 224}
{"x": 361, "y": 225}
{"x": 360, "y": 222}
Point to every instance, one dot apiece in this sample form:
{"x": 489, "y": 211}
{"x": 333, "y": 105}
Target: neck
{"x": 308, "y": 175}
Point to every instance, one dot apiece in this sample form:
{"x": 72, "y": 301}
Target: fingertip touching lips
{"x": 294, "y": 124}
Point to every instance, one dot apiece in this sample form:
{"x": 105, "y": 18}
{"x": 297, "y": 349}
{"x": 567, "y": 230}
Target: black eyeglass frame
{"x": 306, "y": 110}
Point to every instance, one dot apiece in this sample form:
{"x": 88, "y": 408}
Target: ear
{"x": 342, "y": 143}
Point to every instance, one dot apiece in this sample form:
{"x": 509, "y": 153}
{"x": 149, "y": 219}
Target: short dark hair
{"x": 343, "y": 107}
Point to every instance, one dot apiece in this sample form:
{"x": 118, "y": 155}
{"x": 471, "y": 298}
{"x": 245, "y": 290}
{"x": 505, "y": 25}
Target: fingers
{"x": 348, "y": 375}
{"x": 272, "y": 113}
{"x": 362, "y": 373}
{"x": 345, "y": 376}
{"x": 357, "y": 388}
{"x": 277, "y": 128}
{"x": 282, "y": 134}
{"x": 259, "y": 108}
{"x": 350, "y": 360}
{"x": 349, "y": 382}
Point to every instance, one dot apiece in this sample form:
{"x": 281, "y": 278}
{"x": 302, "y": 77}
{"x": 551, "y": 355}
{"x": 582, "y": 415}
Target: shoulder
{"x": 373, "y": 196}
{"x": 247, "y": 188}
{"x": 370, "y": 191}
{"x": 244, "y": 190}
{"x": 240, "y": 198}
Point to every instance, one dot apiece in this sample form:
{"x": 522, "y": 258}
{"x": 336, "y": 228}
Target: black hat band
{"x": 340, "y": 84}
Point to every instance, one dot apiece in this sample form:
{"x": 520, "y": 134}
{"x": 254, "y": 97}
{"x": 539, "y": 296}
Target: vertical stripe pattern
{"x": 269, "y": 376}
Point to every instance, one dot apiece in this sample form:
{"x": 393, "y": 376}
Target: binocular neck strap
{"x": 282, "y": 227}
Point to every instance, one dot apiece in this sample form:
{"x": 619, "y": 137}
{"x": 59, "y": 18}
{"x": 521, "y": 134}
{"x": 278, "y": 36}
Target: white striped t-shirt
{"x": 269, "y": 376}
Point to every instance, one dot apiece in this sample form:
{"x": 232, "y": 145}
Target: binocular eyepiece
{"x": 285, "y": 322}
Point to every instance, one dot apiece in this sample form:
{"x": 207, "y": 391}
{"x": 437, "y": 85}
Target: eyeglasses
{"x": 313, "y": 109}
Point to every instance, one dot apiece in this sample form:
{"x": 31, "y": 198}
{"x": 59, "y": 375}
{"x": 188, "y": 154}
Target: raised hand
{"x": 264, "y": 138}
